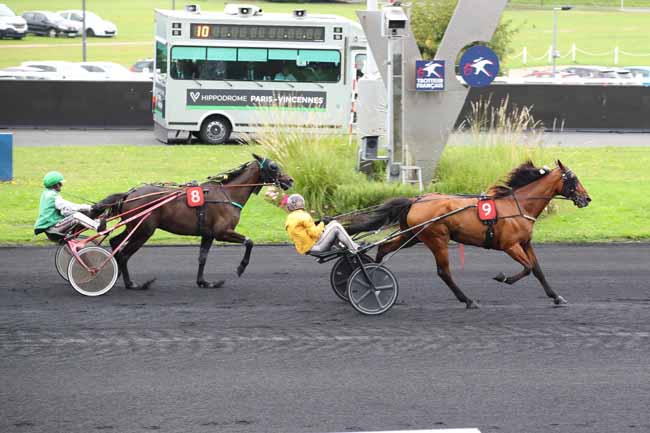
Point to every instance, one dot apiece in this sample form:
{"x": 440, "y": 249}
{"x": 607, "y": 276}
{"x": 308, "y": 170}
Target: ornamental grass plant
{"x": 501, "y": 138}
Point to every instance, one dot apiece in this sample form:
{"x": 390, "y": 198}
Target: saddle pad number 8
{"x": 195, "y": 196}
{"x": 487, "y": 210}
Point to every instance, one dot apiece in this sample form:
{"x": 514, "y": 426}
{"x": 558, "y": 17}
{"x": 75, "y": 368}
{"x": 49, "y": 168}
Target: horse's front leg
{"x": 206, "y": 243}
{"x": 524, "y": 273}
{"x": 537, "y": 271}
{"x": 234, "y": 237}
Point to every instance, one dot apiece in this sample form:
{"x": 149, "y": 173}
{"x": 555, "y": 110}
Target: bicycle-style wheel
{"x": 100, "y": 276}
{"x": 374, "y": 291}
{"x": 341, "y": 272}
{"x": 62, "y": 260}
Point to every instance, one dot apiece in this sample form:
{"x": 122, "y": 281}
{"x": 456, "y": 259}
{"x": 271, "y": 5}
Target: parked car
{"x": 50, "y": 24}
{"x": 95, "y": 25}
{"x": 59, "y": 70}
{"x": 111, "y": 71}
{"x": 24, "y": 73}
{"x": 641, "y": 73}
{"x": 142, "y": 65}
{"x": 11, "y": 26}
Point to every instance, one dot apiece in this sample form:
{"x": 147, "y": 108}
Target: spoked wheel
{"x": 375, "y": 296}
{"x": 341, "y": 272}
{"x": 62, "y": 259}
{"x": 100, "y": 276}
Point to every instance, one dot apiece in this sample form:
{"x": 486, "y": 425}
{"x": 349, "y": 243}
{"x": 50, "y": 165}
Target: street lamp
{"x": 555, "y": 54}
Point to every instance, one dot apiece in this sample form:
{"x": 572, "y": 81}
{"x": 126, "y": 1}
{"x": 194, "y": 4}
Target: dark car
{"x": 50, "y": 24}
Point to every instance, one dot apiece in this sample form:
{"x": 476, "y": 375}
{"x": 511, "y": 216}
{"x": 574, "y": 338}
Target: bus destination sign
{"x": 257, "y": 33}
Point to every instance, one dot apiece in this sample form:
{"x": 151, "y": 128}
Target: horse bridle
{"x": 569, "y": 183}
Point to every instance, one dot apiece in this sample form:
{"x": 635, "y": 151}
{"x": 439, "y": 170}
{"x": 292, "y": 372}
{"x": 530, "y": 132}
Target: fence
{"x": 573, "y": 53}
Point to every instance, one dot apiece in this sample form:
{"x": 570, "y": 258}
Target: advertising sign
{"x": 430, "y": 75}
{"x": 479, "y": 66}
{"x": 254, "y": 99}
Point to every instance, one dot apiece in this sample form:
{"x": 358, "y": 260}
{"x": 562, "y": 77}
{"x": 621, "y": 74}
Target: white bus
{"x": 240, "y": 71}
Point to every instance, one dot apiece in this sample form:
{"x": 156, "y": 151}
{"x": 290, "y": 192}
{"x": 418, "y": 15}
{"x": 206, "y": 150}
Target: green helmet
{"x": 52, "y": 178}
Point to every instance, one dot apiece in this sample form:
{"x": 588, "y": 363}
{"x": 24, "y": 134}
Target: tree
{"x": 429, "y": 20}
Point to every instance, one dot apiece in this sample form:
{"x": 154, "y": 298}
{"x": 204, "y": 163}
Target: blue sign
{"x": 6, "y": 157}
{"x": 430, "y": 75}
{"x": 479, "y": 66}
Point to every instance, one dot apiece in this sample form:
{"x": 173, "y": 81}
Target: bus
{"x": 238, "y": 72}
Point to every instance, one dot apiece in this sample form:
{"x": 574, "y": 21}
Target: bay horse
{"x": 527, "y": 191}
{"x": 225, "y": 196}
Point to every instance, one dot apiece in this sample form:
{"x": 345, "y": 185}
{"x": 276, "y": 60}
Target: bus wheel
{"x": 215, "y": 130}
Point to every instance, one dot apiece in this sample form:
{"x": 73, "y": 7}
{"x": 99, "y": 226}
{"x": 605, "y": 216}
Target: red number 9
{"x": 486, "y": 208}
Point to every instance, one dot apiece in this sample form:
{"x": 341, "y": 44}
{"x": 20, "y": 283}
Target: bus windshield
{"x": 255, "y": 64}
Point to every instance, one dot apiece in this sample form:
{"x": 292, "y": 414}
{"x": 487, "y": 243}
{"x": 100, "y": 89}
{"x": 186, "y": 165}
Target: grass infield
{"x": 592, "y": 30}
{"x": 616, "y": 178}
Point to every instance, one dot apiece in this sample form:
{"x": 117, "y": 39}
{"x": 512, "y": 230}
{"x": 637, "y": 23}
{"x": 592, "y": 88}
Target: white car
{"x": 95, "y": 25}
{"x": 111, "y": 72}
{"x": 641, "y": 73}
{"x": 11, "y": 26}
{"x": 25, "y": 73}
{"x": 60, "y": 70}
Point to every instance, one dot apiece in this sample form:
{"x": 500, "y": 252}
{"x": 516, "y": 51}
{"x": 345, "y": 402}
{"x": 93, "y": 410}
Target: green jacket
{"x": 48, "y": 214}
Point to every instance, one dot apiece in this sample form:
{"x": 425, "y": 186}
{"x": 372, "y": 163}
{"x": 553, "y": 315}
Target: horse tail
{"x": 112, "y": 203}
{"x": 392, "y": 212}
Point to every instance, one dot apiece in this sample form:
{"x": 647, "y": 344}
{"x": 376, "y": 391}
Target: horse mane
{"x": 227, "y": 176}
{"x": 519, "y": 177}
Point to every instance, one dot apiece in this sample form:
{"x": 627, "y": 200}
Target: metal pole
{"x": 83, "y": 30}
{"x": 173, "y": 4}
{"x": 390, "y": 142}
{"x": 554, "y": 53}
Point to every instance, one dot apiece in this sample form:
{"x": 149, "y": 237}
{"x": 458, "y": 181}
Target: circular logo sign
{"x": 479, "y": 66}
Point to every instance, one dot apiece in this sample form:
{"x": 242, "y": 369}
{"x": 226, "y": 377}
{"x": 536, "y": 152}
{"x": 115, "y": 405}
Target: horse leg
{"x": 143, "y": 233}
{"x": 234, "y": 237}
{"x": 402, "y": 241}
{"x": 206, "y": 243}
{"x": 513, "y": 279}
{"x": 438, "y": 246}
{"x": 389, "y": 247}
{"x": 537, "y": 271}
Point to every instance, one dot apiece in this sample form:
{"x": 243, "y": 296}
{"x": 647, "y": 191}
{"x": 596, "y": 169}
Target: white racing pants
{"x": 76, "y": 218}
{"x": 333, "y": 232}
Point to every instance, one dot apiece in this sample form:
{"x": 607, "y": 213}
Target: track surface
{"x": 276, "y": 351}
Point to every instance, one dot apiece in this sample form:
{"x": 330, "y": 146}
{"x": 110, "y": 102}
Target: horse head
{"x": 270, "y": 172}
{"x": 572, "y": 188}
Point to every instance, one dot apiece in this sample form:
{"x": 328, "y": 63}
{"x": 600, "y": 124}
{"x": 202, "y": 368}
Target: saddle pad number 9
{"x": 195, "y": 196}
{"x": 487, "y": 210}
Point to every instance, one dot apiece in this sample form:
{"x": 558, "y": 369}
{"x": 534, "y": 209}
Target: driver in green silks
{"x": 56, "y": 215}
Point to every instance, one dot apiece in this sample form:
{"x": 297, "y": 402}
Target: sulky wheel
{"x": 341, "y": 272}
{"x": 62, "y": 260}
{"x": 375, "y": 296}
{"x": 100, "y": 276}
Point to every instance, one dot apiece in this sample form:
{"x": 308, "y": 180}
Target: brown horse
{"x": 225, "y": 197}
{"x": 527, "y": 191}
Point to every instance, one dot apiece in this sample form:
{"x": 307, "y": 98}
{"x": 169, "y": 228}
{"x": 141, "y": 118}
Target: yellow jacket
{"x": 302, "y": 230}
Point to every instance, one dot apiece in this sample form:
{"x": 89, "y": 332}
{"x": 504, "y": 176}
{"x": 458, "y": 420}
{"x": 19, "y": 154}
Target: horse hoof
{"x": 144, "y": 286}
{"x": 500, "y": 278}
{"x": 213, "y": 285}
{"x": 472, "y": 305}
{"x": 560, "y": 301}
{"x": 240, "y": 270}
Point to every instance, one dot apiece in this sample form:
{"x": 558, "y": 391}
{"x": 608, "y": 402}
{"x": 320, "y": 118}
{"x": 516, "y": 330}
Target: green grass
{"x": 95, "y": 172}
{"x": 616, "y": 178}
{"x": 591, "y": 30}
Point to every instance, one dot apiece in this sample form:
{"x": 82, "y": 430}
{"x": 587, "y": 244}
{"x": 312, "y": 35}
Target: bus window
{"x": 319, "y": 65}
{"x": 187, "y": 62}
{"x": 161, "y": 59}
